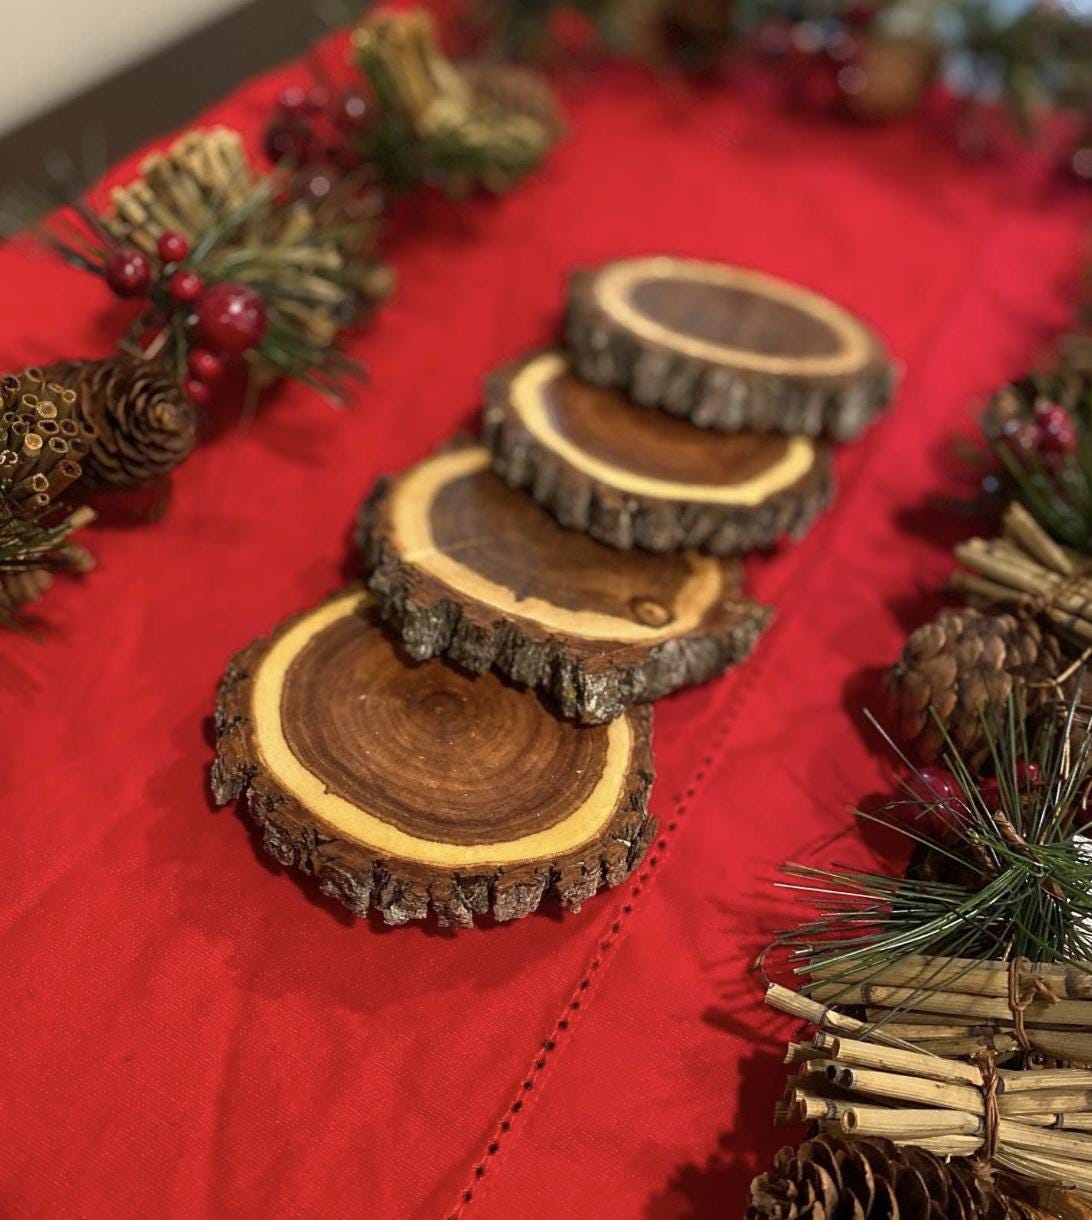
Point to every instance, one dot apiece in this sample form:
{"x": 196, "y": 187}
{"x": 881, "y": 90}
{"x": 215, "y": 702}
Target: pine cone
{"x": 144, "y": 425}
{"x": 41, "y": 445}
{"x": 514, "y": 89}
{"x": 872, "y": 1179}
{"x": 965, "y": 665}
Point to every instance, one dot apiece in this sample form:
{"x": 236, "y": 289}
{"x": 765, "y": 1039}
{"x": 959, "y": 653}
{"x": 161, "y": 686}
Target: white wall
{"x": 53, "y": 49}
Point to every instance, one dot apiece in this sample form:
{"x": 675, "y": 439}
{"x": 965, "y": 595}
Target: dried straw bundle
{"x": 922, "y": 1069}
{"x": 1027, "y": 569}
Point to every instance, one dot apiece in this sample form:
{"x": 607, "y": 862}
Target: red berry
{"x": 289, "y": 140}
{"x": 292, "y": 100}
{"x": 353, "y": 110}
{"x": 185, "y": 286}
{"x": 318, "y": 185}
{"x": 318, "y": 98}
{"x": 1024, "y": 437}
{"x": 935, "y": 783}
{"x": 1059, "y": 433}
{"x": 204, "y": 365}
{"x": 1049, "y": 414}
{"x": 941, "y": 802}
{"x": 231, "y": 318}
{"x": 196, "y": 391}
{"x": 173, "y": 247}
{"x": 128, "y": 272}
{"x": 345, "y": 157}
{"x": 989, "y": 790}
{"x": 1027, "y": 774}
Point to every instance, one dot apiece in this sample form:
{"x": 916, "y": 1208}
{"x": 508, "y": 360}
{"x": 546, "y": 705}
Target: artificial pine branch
{"x": 242, "y": 231}
{"x": 1009, "y": 871}
{"x": 1033, "y": 56}
{"x": 432, "y": 126}
{"x": 41, "y": 449}
{"x": 1040, "y": 429}
{"x": 313, "y": 271}
{"x": 34, "y": 546}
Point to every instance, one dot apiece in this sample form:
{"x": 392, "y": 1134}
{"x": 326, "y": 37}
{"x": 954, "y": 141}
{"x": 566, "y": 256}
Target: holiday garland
{"x": 223, "y": 267}
{"x": 951, "y": 1004}
{"x": 410, "y": 117}
{"x": 229, "y": 265}
{"x": 1040, "y": 429}
{"x": 873, "y": 61}
{"x": 439, "y": 125}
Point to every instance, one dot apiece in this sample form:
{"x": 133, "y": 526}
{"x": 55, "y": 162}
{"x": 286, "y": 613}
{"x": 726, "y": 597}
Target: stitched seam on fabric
{"x": 746, "y": 678}
{"x": 636, "y": 884}
{"x": 876, "y": 442}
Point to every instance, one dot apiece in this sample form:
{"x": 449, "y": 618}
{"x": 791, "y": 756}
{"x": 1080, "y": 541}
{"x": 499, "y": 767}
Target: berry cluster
{"x": 819, "y": 57}
{"x": 228, "y": 319}
{"x": 1048, "y": 436}
{"x": 315, "y": 126}
{"x": 318, "y": 133}
{"x": 940, "y": 805}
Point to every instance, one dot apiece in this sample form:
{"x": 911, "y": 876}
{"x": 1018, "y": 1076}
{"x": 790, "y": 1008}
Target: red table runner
{"x": 191, "y": 1031}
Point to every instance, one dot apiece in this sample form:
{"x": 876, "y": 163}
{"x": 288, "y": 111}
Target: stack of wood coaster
{"x": 467, "y": 732}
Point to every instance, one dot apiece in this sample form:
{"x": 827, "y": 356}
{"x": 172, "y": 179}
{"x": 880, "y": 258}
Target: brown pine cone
{"x": 144, "y": 425}
{"x": 42, "y": 448}
{"x": 965, "y": 665}
{"x": 872, "y": 1179}
{"x": 514, "y": 89}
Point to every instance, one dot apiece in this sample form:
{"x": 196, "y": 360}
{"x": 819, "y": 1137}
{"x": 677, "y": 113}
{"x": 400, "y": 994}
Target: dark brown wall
{"x": 165, "y": 90}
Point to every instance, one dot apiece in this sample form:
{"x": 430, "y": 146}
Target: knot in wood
{"x": 650, "y": 612}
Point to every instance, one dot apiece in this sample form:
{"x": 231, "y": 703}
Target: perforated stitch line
{"x": 746, "y": 680}
{"x": 876, "y": 440}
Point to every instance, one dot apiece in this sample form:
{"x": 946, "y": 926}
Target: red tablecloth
{"x": 190, "y": 1031}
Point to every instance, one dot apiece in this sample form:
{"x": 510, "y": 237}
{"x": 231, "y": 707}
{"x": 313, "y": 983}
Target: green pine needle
{"x": 1057, "y": 493}
{"x": 36, "y": 539}
{"x": 1016, "y": 877}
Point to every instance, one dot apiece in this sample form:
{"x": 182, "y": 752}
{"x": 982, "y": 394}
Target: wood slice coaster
{"x": 632, "y": 477}
{"x": 727, "y": 348}
{"x": 464, "y": 566}
{"x": 402, "y": 786}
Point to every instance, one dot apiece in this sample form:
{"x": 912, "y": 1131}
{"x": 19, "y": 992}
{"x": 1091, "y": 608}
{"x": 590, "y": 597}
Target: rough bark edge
{"x": 592, "y": 684}
{"x": 711, "y": 395}
{"x": 624, "y": 520}
{"x": 404, "y": 890}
